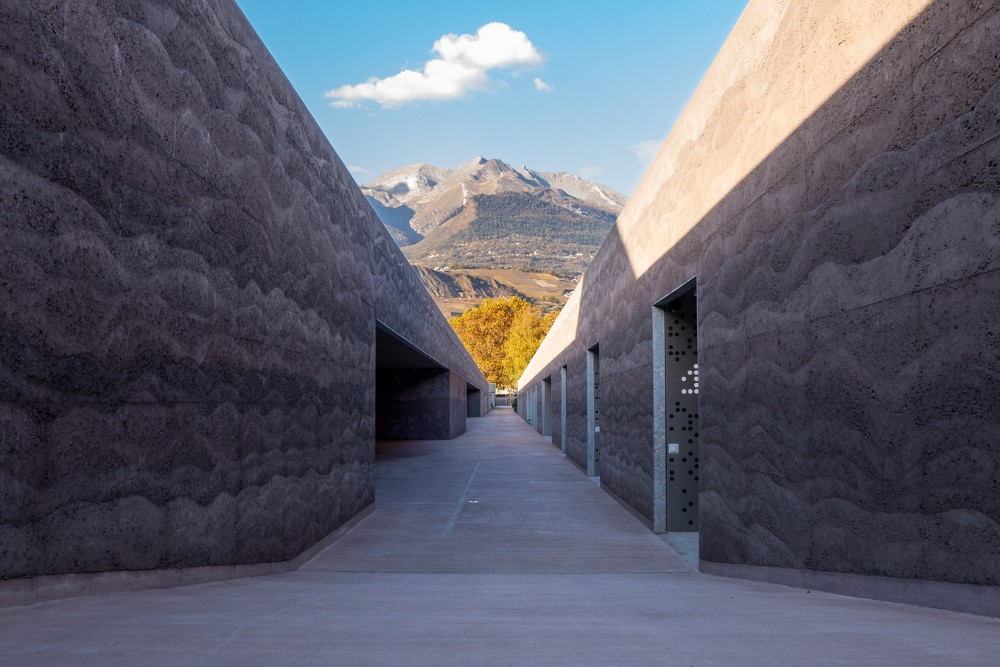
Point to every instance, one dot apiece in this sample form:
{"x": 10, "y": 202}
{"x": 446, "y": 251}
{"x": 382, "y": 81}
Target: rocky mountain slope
{"x": 457, "y": 285}
{"x": 486, "y": 214}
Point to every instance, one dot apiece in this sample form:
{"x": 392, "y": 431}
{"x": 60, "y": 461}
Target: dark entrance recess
{"x": 547, "y": 406}
{"x": 594, "y": 411}
{"x": 562, "y": 409}
{"x": 416, "y": 397}
{"x": 474, "y": 402}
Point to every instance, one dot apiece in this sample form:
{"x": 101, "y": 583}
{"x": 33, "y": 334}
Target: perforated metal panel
{"x": 682, "y": 387}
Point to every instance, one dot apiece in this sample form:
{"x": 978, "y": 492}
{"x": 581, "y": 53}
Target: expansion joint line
{"x": 450, "y": 528}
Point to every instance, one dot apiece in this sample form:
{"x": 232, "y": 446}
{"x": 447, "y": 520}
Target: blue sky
{"x": 584, "y": 87}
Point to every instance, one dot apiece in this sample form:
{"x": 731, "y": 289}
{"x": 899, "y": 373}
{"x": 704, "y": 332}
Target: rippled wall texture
{"x": 834, "y": 185}
{"x": 189, "y": 284}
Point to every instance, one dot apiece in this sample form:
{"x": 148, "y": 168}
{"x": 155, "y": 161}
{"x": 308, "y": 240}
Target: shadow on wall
{"x": 417, "y": 397}
{"x": 847, "y": 421}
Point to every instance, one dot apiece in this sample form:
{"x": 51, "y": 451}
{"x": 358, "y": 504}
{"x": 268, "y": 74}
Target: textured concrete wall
{"x": 458, "y": 403}
{"x": 419, "y": 404}
{"x": 474, "y": 402}
{"x": 189, "y": 283}
{"x": 833, "y": 185}
{"x": 413, "y": 317}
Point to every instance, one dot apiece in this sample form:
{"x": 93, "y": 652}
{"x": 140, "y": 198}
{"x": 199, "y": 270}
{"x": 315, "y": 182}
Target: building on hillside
{"x": 203, "y": 324}
{"x": 789, "y": 343}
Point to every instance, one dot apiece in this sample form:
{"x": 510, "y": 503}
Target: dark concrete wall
{"x": 190, "y": 280}
{"x": 847, "y": 250}
{"x": 414, "y": 319}
{"x": 458, "y": 399}
{"x": 474, "y": 403}
{"x": 576, "y": 407}
{"x": 418, "y": 404}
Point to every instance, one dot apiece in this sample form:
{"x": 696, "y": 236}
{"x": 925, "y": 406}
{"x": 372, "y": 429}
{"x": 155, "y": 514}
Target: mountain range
{"x": 486, "y": 214}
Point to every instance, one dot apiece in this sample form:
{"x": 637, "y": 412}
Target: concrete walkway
{"x": 490, "y": 549}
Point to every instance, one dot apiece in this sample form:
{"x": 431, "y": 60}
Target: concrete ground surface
{"x": 490, "y": 549}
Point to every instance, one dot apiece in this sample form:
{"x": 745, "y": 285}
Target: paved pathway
{"x": 490, "y": 549}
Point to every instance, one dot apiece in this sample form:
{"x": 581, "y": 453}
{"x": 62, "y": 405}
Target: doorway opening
{"x": 547, "y": 408}
{"x": 530, "y": 407}
{"x": 562, "y": 409}
{"x": 416, "y": 397}
{"x": 676, "y": 388}
{"x": 535, "y": 400}
{"x": 474, "y": 402}
{"x": 594, "y": 412}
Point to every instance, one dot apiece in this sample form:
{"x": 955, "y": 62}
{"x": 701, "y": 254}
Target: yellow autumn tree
{"x": 502, "y": 335}
{"x": 526, "y": 334}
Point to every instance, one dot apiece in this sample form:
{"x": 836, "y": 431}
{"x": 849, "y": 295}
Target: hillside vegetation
{"x": 521, "y": 232}
{"x": 535, "y": 232}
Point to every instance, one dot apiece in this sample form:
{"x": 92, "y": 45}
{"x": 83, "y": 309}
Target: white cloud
{"x": 463, "y": 66}
{"x": 646, "y": 150}
{"x": 589, "y": 171}
{"x": 542, "y": 86}
{"x": 494, "y": 46}
{"x": 355, "y": 169}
